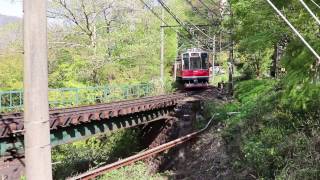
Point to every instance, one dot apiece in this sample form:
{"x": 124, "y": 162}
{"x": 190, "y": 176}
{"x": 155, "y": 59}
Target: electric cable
{"x": 158, "y": 16}
{"x": 180, "y": 35}
{"x": 182, "y": 23}
{"x": 205, "y": 5}
{"x": 315, "y": 4}
{"x": 310, "y": 11}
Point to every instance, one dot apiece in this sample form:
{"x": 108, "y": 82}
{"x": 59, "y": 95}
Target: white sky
{"x": 11, "y": 7}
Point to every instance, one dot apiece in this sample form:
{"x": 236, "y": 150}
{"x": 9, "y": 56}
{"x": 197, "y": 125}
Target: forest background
{"x": 112, "y": 42}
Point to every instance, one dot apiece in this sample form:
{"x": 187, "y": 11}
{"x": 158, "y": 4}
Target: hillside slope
{"x": 7, "y": 19}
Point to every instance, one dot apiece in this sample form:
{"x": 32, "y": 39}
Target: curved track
{"x": 96, "y": 172}
{"x": 12, "y": 123}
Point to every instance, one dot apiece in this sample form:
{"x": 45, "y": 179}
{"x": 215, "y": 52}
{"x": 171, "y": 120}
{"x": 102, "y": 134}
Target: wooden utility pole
{"x": 36, "y": 108}
{"x": 162, "y": 51}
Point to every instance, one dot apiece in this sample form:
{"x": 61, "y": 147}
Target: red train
{"x": 192, "y": 68}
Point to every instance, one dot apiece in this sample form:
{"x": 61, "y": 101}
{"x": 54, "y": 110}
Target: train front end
{"x": 193, "y": 69}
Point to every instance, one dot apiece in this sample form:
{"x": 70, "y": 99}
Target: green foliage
{"x": 258, "y": 29}
{"x": 261, "y": 151}
{"x": 275, "y": 139}
{"x": 301, "y": 163}
{"x": 279, "y": 121}
{"x": 138, "y": 171}
{"x": 11, "y": 68}
{"x": 302, "y": 81}
{"x": 77, "y": 157}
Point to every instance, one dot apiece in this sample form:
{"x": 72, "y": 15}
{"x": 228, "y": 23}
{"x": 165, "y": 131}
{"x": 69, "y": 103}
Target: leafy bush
{"x": 77, "y": 157}
{"x": 277, "y": 139}
{"x": 138, "y": 171}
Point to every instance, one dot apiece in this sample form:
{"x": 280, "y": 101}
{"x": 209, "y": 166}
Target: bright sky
{"x": 11, "y": 7}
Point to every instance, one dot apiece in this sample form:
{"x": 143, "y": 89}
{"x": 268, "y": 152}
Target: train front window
{"x": 186, "y": 61}
{"x": 195, "y": 63}
{"x": 204, "y": 58}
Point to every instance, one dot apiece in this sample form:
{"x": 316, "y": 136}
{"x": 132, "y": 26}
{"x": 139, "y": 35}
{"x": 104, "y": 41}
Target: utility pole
{"x": 231, "y": 55}
{"x": 231, "y": 68}
{"x": 213, "y": 55}
{"x": 162, "y": 51}
{"x": 36, "y": 108}
{"x": 175, "y": 71}
{"x": 220, "y": 42}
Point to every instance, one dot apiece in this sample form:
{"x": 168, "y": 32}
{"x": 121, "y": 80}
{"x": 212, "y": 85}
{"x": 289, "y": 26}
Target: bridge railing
{"x": 68, "y": 97}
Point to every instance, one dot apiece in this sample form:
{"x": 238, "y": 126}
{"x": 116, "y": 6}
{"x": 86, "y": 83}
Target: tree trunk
{"x": 273, "y": 69}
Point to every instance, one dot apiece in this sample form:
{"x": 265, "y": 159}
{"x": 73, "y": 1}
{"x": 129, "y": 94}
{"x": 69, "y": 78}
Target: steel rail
{"x": 57, "y": 110}
{"x": 64, "y": 117}
{"x": 143, "y": 155}
{"x": 79, "y": 110}
{"x": 100, "y": 106}
{"x": 124, "y": 104}
{"x": 97, "y": 106}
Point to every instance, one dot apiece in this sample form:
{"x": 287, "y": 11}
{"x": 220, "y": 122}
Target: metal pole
{"x": 162, "y": 51}
{"x": 309, "y": 10}
{"x": 36, "y": 108}
{"x": 220, "y": 41}
{"x": 175, "y": 71}
{"x": 231, "y": 68}
{"x": 213, "y": 55}
{"x": 295, "y": 30}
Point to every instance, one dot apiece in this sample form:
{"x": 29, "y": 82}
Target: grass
{"x": 274, "y": 138}
{"x": 138, "y": 171}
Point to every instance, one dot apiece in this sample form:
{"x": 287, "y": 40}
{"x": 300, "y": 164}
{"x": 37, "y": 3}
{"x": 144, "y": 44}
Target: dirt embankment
{"x": 208, "y": 157}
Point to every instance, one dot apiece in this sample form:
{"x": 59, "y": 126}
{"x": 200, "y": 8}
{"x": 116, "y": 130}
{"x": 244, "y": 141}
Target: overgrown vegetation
{"x": 71, "y": 159}
{"x": 277, "y": 128}
{"x": 276, "y": 141}
{"x": 275, "y": 120}
{"x": 138, "y": 171}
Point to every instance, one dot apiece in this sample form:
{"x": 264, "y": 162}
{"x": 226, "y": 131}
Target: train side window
{"x": 179, "y": 66}
{"x": 186, "y": 61}
{"x": 204, "y": 58}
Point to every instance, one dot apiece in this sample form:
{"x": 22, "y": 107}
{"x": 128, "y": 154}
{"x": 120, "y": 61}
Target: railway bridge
{"x": 75, "y": 123}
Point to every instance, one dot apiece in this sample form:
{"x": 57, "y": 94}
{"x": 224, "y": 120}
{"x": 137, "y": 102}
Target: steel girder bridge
{"x": 75, "y": 123}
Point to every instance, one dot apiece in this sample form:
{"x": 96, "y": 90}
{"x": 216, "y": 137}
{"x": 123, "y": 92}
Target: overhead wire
{"x": 190, "y": 3}
{"x": 173, "y": 15}
{"x": 176, "y": 18}
{"x": 158, "y": 16}
{"x": 214, "y": 23}
{"x": 205, "y": 5}
{"x": 168, "y": 9}
{"x": 183, "y": 24}
{"x": 315, "y": 4}
{"x": 295, "y": 31}
{"x": 310, "y": 11}
{"x": 196, "y": 9}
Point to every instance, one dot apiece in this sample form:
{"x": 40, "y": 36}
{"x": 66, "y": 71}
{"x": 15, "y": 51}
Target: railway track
{"x": 141, "y": 156}
{"x": 12, "y": 123}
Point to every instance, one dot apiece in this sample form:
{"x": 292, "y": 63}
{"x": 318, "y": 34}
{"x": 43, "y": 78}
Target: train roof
{"x": 193, "y": 50}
